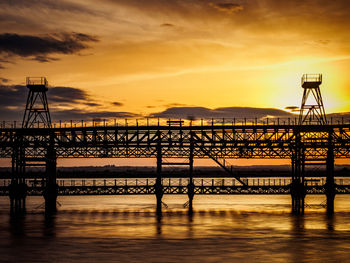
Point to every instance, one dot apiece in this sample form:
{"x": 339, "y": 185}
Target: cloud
{"x": 42, "y": 5}
{"x": 13, "y": 99}
{"x": 40, "y": 48}
{"x": 225, "y": 112}
{"x": 92, "y": 104}
{"x": 228, "y": 7}
{"x": 12, "y": 96}
{"x": 4, "y": 80}
{"x": 78, "y": 114}
{"x": 167, "y": 25}
{"x": 44, "y": 59}
{"x": 171, "y": 105}
{"x": 15, "y": 95}
{"x": 292, "y": 108}
{"x": 67, "y": 94}
{"x": 116, "y": 103}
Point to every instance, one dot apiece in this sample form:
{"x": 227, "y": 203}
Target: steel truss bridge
{"x": 304, "y": 145}
{"x": 208, "y": 141}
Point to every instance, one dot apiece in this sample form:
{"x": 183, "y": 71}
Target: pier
{"x": 309, "y": 141}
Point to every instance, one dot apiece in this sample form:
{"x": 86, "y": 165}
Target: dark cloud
{"x": 227, "y": 112}
{"x": 195, "y": 113}
{"x": 4, "y": 80}
{"x": 12, "y": 96}
{"x": 66, "y": 94}
{"x": 41, "y": 47}
{"x": 92, "y": 104}
{"x": 77, "y": 114}
{"x": 44, "y": 59}
{"x": 293, "y": 108}
{"x": 15, "y": 95}
{"x": 13, "y": 99}
{"x": 167, "y": 25}
{"x": 116, "y": 103}
{"x": 227, "y": 7}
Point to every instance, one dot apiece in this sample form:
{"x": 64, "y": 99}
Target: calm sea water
{"x": 242, "y": 228}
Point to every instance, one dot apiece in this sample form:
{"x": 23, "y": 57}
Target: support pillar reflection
{"x": 51, "y": 188}
{"x": 18, "y": 187}
{"x": 158, "y": 186}
{"x": 330, "y": 185}
{"x": 297, "y": 188}
{"x": 190, "y": 186}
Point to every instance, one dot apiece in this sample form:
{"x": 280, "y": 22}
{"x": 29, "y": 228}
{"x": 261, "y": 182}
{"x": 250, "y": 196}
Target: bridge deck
{"x": 217, "y": 140}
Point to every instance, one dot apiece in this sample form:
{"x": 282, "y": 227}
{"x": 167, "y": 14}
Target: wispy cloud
{"x": 228, "y": 7}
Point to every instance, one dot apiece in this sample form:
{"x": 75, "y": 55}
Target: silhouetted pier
{"x": 318, "y": 145}
{"x": 310, "y": 141}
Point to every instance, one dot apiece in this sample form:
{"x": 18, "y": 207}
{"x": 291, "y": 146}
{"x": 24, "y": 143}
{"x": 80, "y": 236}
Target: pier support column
{"x": 297, "y": 187}
{"x": 190, "y": 186}
{"x": 158, "y": 186}
{"x": 18, "y": 187}
{"x": 51, "y": 188}
{"x": 330, "y": 185}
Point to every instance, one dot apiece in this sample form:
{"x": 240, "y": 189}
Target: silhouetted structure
{"x": 311, "y": 144}
{"x": 36, "y": 115}
{"x": 312, "y": 110}
{"x": 312, "y": 113}
{"x": 37, "y": 112}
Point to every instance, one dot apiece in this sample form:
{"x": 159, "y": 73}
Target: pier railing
{"x": 174, "y": 122}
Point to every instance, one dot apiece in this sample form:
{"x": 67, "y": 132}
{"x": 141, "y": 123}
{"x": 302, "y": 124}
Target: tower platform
{"x": 311, "y": 80}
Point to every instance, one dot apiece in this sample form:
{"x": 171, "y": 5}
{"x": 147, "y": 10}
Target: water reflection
{"x": 212, "y": 233}
{"x": 330, "y": 222}
{"x": 159, "y": 223}
{"x": 17, "y": 225}
{"x": 298, "y": 225}
{"x": 49, "y": 226}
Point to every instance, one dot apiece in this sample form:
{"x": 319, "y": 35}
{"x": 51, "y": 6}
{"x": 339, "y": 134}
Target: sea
{"x": 223, "y": 228}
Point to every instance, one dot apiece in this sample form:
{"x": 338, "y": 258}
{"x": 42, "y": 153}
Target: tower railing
{"x": 313, "y": 78}
{"x": 36, "y": 81}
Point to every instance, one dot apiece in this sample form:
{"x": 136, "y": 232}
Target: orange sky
{"x": 153, "y": 54}
{"x": 148, "y": 56}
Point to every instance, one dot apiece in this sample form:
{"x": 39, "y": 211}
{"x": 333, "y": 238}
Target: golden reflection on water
{"x": 222, "y": 228}
{"x": 134, "y": 216}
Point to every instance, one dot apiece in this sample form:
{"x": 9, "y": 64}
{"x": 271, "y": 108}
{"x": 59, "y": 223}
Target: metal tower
{"x": 315, "y": 113}
{"x": 37, "y": 113}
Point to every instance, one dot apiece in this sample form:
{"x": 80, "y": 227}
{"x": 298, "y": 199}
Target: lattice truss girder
{"x": 229, "y": 142}
{"x": 175, "y": 189}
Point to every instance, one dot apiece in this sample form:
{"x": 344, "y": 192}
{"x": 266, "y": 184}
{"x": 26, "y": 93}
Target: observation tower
{"x": 37, "y": 112}
{"x": 311, "y": 109}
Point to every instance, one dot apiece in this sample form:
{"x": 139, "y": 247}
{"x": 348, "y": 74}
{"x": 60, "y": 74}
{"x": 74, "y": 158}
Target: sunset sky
{"x": 157, "y": 58}
{"x": 134, "y": 59}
